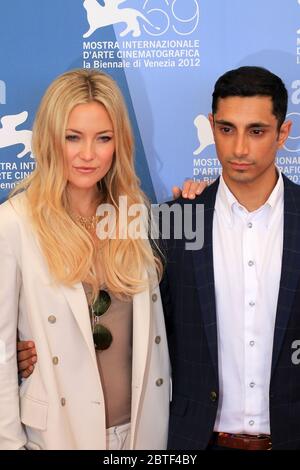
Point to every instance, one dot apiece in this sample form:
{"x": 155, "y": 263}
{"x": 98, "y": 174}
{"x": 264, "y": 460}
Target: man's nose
{"x": 241, "y": 146}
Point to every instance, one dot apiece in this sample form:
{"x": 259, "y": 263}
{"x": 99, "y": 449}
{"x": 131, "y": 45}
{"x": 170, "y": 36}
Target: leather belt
{"x": 242, "y": 441}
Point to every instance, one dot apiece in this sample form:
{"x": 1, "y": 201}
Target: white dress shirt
{"x": 247, "y": 252}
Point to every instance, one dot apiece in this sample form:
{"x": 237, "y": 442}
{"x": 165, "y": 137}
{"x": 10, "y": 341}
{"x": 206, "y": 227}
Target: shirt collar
{"x": 228, "y": 204}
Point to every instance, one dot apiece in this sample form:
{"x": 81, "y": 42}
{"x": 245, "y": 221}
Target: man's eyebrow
{"x": 223, "y": 122}
{"x": 258, "y": 124}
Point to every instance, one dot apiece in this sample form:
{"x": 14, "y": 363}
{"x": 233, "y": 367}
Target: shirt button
{"x": 62, "y": 401}
{"x": 252, "y": 343}
{"x": 251, "y": 422}
{"x": 252, "y": 384}
{"x": 159, "y": 382}
{"x": 157, "y": 339}
{"x": 52, "y": 319}
{"x": 251, "y": 303}
{"x": 213, "y": 396}
{"x": 250, "y": 263}
{"x": 250, "y": 225}
{"x": 154, "y": 297}
{"x": 55, "y": 360}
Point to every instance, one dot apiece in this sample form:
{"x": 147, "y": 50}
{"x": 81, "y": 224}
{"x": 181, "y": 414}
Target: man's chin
{"x": 241, "y": 177}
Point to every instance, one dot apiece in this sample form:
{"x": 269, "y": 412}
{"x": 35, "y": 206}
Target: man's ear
{"x": 211, "y": 121}
{"x": 284, "y": 131}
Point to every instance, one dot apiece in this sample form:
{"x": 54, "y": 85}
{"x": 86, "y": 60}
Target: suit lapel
{"x": 290, "y": 270}
{"x": 204, "y": 274}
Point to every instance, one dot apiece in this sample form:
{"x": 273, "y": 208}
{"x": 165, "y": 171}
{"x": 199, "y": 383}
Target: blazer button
{"x": 213, "y": 396}
{"x": 55, "y": 360}
{"x": 52, "y": 319}
{"x": 62, "y": 401}
{"x": 154, "y": 297}
{"x": 159, "y": 382}
{"x": 157, "y": 339}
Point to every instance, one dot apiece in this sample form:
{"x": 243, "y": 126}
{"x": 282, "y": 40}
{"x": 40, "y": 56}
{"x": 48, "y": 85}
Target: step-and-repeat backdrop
{"x": 165, "y": 55}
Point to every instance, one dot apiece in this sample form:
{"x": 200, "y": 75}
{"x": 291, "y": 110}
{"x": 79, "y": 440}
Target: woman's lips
{"x": 85, "y": 170}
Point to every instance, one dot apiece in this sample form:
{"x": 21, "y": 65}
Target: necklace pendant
{"x": 89, "y": 223}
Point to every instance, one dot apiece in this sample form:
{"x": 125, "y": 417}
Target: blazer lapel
{"x": 76, "y": 299}
{"x": 142, "y": 326}
{"x": 290, "y": 270}
{"x": 204, "y": 274}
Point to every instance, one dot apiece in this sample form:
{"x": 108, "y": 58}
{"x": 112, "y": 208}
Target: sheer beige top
{"x": 115, "y": 363}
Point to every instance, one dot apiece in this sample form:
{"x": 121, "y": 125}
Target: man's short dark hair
{"x": 253, "y": 81}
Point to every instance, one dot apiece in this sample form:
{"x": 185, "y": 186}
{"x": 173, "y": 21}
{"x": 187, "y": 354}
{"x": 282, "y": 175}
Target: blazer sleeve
{"x": 12, "y": 435}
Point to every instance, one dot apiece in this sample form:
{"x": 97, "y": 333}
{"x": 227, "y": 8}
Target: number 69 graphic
{"x": 162, "y": 19}
{"x": 294, "y": 117}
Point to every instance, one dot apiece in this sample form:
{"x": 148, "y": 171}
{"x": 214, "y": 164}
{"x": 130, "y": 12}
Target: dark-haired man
{"x": 232, "y": 308}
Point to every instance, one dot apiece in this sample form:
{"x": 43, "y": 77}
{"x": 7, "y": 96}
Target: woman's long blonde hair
{"x": 69, "y": 249}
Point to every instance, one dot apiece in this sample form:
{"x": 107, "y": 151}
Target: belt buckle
{"x": 266, "y": 436}
{"x": 249, "y": 437}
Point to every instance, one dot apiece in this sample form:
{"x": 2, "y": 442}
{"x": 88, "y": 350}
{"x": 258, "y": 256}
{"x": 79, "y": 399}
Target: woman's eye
{"x": 72, "y": 137}
{"x": 104, "y": 138}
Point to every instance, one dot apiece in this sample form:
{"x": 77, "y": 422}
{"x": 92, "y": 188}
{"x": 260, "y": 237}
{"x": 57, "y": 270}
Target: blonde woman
{"x": 91, "y": 306}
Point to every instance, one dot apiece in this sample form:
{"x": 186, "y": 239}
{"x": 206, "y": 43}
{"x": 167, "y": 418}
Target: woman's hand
{"x": 190, "y": 189}
{"x": 26, "y": 357}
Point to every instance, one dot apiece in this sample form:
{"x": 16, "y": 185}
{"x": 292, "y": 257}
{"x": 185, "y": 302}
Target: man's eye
{"x": 257, "y": 131}
{"x": 225, "y": 130}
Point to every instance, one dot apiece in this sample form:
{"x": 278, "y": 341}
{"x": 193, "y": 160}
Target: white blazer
{"x": 61, "y": 405}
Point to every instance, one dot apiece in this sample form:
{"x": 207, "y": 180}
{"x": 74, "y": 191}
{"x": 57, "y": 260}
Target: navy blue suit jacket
{"x": 190, "y": 310}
